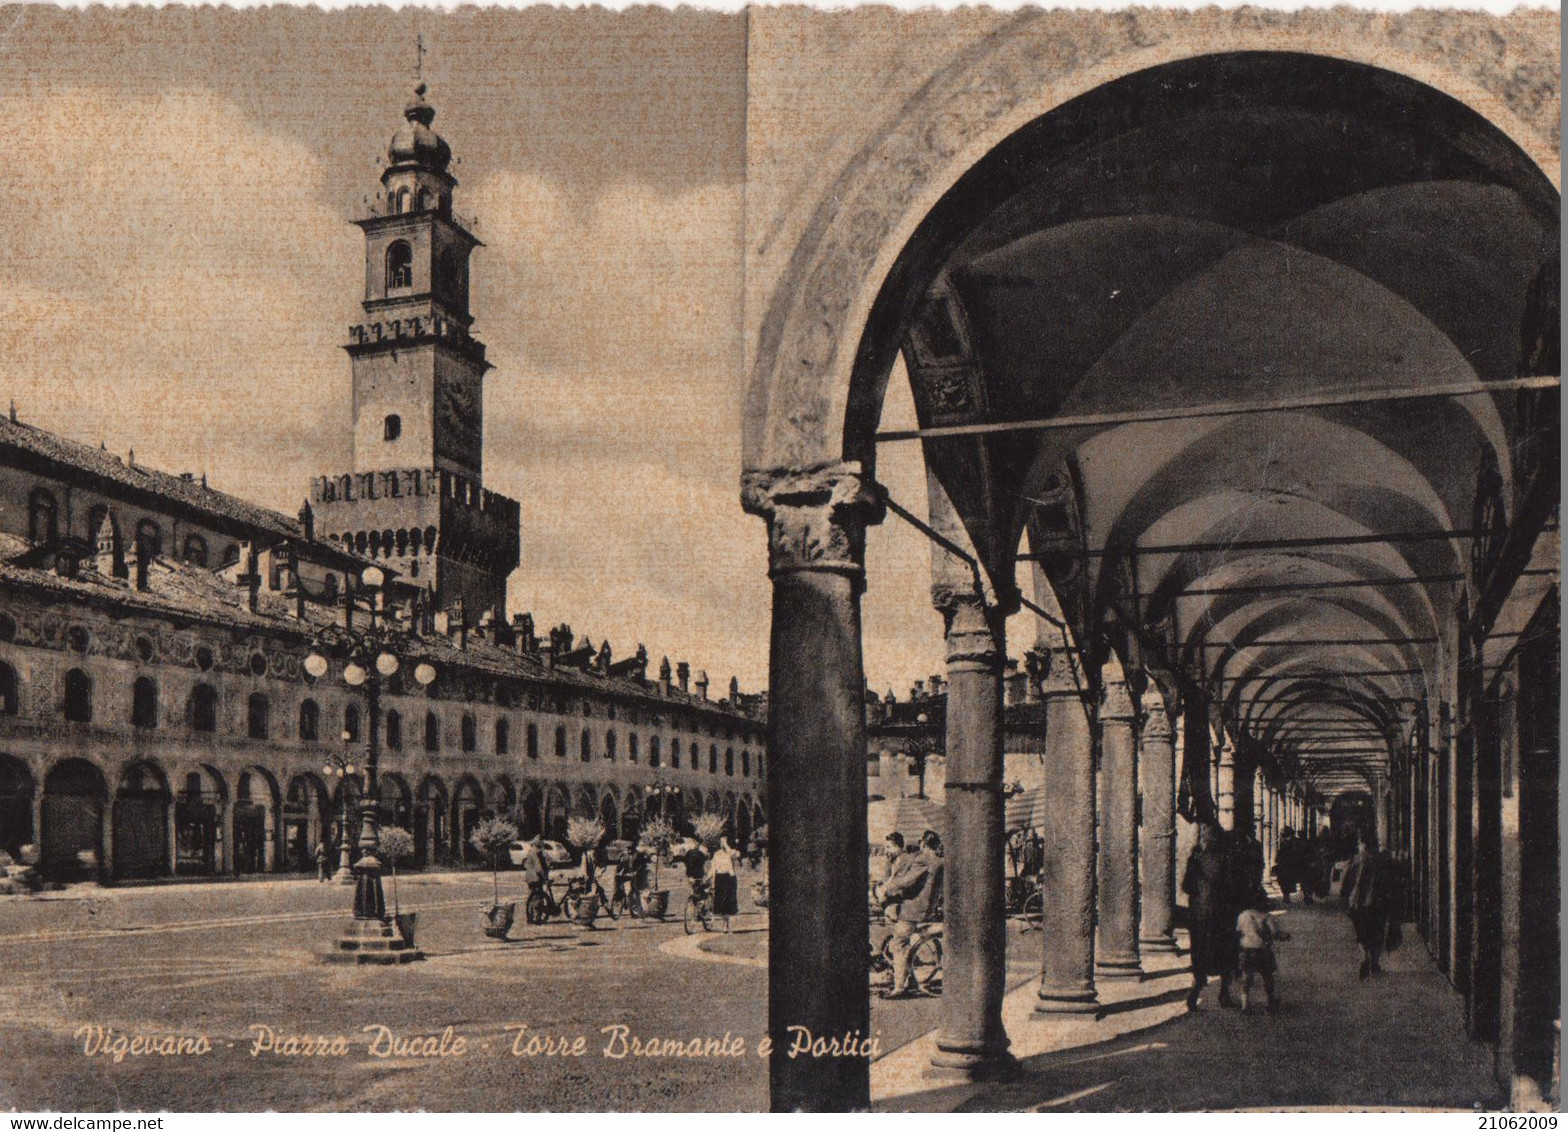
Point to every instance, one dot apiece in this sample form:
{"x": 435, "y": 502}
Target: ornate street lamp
{"x": 369, "y": 656}
{"x": 338, "y": 766}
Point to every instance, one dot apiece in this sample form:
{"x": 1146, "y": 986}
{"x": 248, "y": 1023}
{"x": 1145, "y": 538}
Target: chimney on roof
{"x": 936, "y": 685}
{"x": 918, "y": 692}
{"x": 664, "y": 676}
{"x": 13, "y": 410}
{"x": 136, "y": 567}
{"x": 683, "y": 674}
{"x": 103, "y": 545}
{"x": 602, "y": 661}
{"x": 523, "y": 633}
{"x": 252, "y": 577}
{"x": 485, "y": 631}
{"x": 307, "y": 518}
{"x": 702, "y": 685}
{"x": 457, "y": 620}
{"x": 734, "y": 689}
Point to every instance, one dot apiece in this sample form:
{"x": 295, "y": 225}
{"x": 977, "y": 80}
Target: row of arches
{"x": 390, "y": 543}
{"x": 199, "y": 821}
{"x": 43, "y": 529}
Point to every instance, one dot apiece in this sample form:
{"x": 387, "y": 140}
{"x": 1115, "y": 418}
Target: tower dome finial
{"x": 415, "y": 142}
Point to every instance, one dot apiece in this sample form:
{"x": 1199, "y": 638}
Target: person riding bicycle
{"x": 536, "y": 873}
{"x": 914, "y": 884}
{"x": 696, "y": 864}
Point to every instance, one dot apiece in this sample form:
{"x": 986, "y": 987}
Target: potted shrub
{"x": 397, "y": 844}
{"x": 585, "y": 833}
{"x": 708, "y": 828}
{"x": 493, "y": 838}
{"x": 657, "y": 834}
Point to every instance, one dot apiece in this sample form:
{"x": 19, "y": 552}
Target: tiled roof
{"x": 175, "y": 589}
{"x": 96, "y": 461}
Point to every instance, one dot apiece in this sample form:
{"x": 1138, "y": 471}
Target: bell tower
{"x": 415, "y": 496}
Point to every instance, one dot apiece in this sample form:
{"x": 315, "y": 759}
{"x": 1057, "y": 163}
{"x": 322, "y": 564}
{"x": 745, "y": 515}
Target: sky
{"x": 180, "y": 274}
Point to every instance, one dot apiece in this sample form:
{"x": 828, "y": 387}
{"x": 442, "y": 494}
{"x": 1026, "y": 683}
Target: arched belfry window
{"x": 42, "y": 525}
{"x": 426, "y": 201}
{"x": 402, "y": 200}
{"x": 392, "y": 427}
{"x": 400, "y": 265}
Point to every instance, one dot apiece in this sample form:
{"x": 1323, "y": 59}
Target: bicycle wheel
{"x": 1034, "y": 911}
{"x": 707, "y": 916}
{"x": 925, "y": 965}
{"x": 693, "y": 915}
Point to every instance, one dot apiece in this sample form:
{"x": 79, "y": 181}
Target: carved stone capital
{"x": 1116, "y": 704}
{"x": 817, "y": 517}
{"x": 1061, "y": 672}
{"x": 973, "y": 627}
{"x": 1156, "y": 720}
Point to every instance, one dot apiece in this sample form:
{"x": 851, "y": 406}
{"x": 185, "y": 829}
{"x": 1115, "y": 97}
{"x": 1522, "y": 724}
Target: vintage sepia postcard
{"x": 779, "y": 559}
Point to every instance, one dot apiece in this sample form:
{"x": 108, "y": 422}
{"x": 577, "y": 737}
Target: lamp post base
{"x": 372, "y": 943}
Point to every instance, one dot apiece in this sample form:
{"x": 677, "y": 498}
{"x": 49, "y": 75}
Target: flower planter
{"x": 498, "y": 920}
{"x": 587, "y": 910}
{"x": 406, "y": 923}
{"x": 656, "y": 903}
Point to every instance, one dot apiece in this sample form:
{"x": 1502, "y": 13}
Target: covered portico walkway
{"x": 1397, "y": 1041}
{"x": 1238, "y": 374}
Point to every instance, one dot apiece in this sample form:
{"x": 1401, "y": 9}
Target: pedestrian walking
{"x": 1214, "y": 882}
{"x": 726, "y": 900}
{"x": 1255, "y": 936}
{"x": 1369, "y": 894}
{"x": 321, "y": 860}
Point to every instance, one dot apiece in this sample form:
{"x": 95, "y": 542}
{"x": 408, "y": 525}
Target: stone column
{"x": 1116, "y": 945}
{"x": 38, "y": 818}
{"x": 1225, "y": 781}
{"x": 817, "y": 863}
{"x": 106, "y": 864}
{"x": 1067, "y": 928}
{"x": 971, "y": 1042}
{"x": 171, "y": 835}
{"x": 1157, "y": 833}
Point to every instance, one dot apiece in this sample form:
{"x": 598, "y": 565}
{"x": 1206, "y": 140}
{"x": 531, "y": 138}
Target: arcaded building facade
{"x": 156, "y": 717}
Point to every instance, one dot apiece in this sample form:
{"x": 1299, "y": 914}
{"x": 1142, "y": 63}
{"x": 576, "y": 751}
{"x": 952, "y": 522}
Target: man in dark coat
{"x": 1214, "y": 882}
{"x": 1370, "y": 895}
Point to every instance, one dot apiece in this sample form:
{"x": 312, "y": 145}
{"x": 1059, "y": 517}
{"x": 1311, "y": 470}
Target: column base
{"x": 1083, "y": 1000}
{"x": 1119, "y": 967}
{"x": 1165, "y": 943}
{"x": 344, "y": 876}
{"x": 372, "y": 943}
{"x": 966, "y": 1065}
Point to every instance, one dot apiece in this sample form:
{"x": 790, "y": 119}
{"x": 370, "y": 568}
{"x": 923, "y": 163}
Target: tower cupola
{"x": 415, "y": 143}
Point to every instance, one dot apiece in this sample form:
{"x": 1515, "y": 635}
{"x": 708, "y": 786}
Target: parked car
{"x": 555, "y": 854}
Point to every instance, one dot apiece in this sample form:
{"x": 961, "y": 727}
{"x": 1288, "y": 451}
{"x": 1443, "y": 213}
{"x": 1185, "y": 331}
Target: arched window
{"x": 675, "y": 754}
{"x": 394, "y": 731}
{"x": 195, "y": 553}
{"x": 402, "y": 200}
{"x": 432, "y": 732}
{"x": 144, "y": 702}
{"x": 503, "y": 737}
{"x": 560, "y": 742}
{"x": 425, "y": 200}
{"x": 468, "y": 734}
{"x": 256, "y": 716}
{"x": 392, "y": 427}
{"x": 533, "y": 741}
{"x": 149, "y": 539}
{"x": 8, "y": 690}
{"x": 204, "y": 708}
{"x": 609, "y": 745}
{"x": 713, "y": 760}
{"x": 351, "y": 723}
{"x": 42, "y": 520}
{"x": 400, "y": 265}
{"x": 78, "y": 696}
{"x": 587, "y": 746}
{"x": 745, "y": 764}
{"x": 653, "y": 751}
{"x": 631, "y": 747}
{"x": 309, "y": 721}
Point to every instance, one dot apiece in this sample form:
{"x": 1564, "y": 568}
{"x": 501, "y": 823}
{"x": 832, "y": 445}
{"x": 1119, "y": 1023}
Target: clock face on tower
{"x": 457, "y": 420}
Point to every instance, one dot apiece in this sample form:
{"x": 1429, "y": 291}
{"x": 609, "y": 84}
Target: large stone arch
{"x": 201, "y": 804}
{"x": 257, "y": 802}
{"x": 802, "y": 408}
{"x": 142, "y": 826}
{"x": 18, "y": 792}
{"x": 75, "y": 805}
{"x": 432, "y": 822}
{"x": 307, "y": 820}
